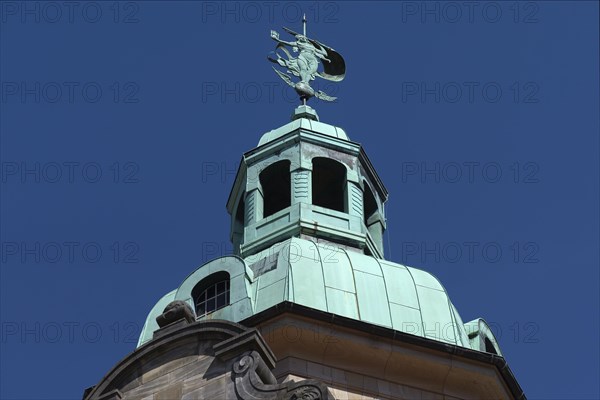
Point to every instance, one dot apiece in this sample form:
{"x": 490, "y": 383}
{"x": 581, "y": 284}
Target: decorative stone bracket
{"x": 251, "y": 373}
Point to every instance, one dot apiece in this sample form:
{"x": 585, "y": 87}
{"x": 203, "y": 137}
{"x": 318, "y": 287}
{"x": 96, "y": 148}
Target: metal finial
{"x": 304, "y": 24}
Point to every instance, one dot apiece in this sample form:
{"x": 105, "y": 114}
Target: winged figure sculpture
{"x": 305, "y": 64}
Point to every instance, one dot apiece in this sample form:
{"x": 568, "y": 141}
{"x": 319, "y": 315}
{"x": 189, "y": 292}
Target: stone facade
{"x": 357, "y": 360}
{"x": 201, "y": 360}
{"x": 320, "y": 356}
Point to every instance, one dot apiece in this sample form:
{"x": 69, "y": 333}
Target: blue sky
{"x": 122, "y": 125}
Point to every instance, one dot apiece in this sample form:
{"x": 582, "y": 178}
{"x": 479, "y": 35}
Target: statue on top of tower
{"x": 306, "y": 63}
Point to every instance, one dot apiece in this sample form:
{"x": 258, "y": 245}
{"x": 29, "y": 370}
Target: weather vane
{"x": 305, "y": 65}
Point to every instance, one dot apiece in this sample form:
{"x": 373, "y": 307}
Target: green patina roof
{"x": 303, "y": 123}
{"x": 337, "y": 279}
{"x": 331, "y": 279}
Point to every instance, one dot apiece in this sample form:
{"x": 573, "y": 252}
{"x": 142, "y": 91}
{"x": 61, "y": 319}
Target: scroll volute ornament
{"x": 250, "y": 373}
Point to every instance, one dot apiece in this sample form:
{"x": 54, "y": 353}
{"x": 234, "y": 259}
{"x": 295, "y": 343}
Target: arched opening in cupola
{"x": 276, "y": 187}
{"x": 329, "y": 184}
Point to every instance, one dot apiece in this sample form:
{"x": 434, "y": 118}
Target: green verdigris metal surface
{"x": 335, "y": 280}
{"x": 306, "y": 118}
{"x": 288, "y": 256}
{"x": 306, "y": 63}
{"x": 301, "y": 142}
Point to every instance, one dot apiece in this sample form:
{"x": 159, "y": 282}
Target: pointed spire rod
{"x": 304, "y": 33}
{"x": 304, "y": 24}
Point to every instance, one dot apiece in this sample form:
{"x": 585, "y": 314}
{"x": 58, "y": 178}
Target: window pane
{"x": 201, "y": 309}
{"x": 210, "y": 292}
{"x": 210, "y": 305}
{"x": 221, "y": 300}
{"x": 220, "y": 287}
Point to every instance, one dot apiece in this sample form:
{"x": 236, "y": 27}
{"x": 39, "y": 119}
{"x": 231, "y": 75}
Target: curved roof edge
{"x": 339, "y": 281}
{"x": 151, "y": 325}
{"x": 303, "y": 123}
{"x": 481, "y": 336}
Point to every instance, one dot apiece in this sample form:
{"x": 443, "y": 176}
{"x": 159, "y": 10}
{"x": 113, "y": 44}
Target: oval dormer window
{"x": 211, "y": 293}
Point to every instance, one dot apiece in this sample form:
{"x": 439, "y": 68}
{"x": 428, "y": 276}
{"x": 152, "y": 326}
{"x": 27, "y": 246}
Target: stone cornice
{"x": 387, "y": 335}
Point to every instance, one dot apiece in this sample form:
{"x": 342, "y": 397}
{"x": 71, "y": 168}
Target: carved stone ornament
{"x": 174, "y": 311}
{"x": 250, "y": 374}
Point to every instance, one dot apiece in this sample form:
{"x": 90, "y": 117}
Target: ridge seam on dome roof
{"x": 456, "y": 339}
{"x": 418, "y": 299}
{"x": 404, "y": 305}
{"x": 322, "y": 273}
{"x": 387, "y": 296}
{"x": 354, "y": 283}
{"x": 428, "y": 287}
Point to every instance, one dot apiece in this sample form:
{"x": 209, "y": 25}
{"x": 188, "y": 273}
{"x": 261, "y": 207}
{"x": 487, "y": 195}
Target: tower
{"x": 307, "y": 307}
{"x": 307, "y": 179}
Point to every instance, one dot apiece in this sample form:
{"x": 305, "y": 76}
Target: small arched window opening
{"x": 489, "y": 347}
{"x": 329, "y": 184}
{"x": 370, "y": 204}
{"x": 211, "y": 293}
{"x": 276, "y": 187}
